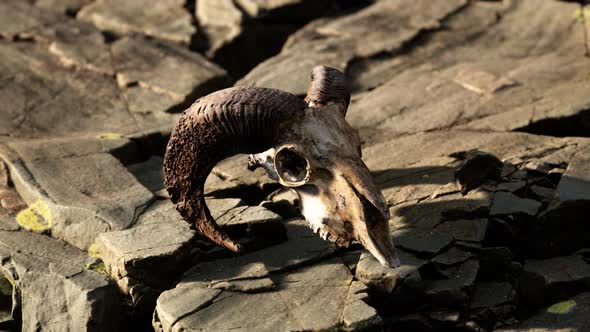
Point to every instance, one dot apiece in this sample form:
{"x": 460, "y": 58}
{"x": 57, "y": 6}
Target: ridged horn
{"x": 217, "y": 126}
{"x": 327, "y": 84}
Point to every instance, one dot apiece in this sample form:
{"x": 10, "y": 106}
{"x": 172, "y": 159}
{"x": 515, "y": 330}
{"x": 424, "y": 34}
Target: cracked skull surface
{"x": 306, "y": 145}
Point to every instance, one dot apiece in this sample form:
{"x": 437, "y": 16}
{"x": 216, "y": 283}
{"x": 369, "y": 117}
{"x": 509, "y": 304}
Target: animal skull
{"x": 307, "y": 146}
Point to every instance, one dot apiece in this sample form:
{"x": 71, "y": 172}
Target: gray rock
{"x": 430, "y": 242}
{"x": 311, "y": 298}
{"x": 452, "y": 256}
{"x": 472, "y": 230}
{"x": 166, "y": 19}
{"x": 492, "y": 294}
{"x": 570, "y": 315}
{"x": 543, "y": 280}
{"x": 507, "y": 203}
{"x": 385, "y": 279}
{"x": 337, "y": 41}
{"x": 543, "y": 193}
{"x": 164, "y": 73}
{"x": 62, "y": 6}
{"x": 454, "y": 291}
{"x": 511, "y": 186}
{"x": 18, "y": 18}
{"x": 575, "y": 182}
{"x": 357, "y": 314}
{"x": 56, "y": 289}
{"x": 153, "y": 253}
{"x": 103, "y": 196}
{"x": 477, "y": 168}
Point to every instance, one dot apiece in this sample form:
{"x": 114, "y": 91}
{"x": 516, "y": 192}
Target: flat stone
{"x": 575, "y": 183}
{"x": 430, "y": 242}
{"x": 163, "y": 71}
{"x": 511, "y": 186}
{"x": 385, "y": 279}
{"x": 335, "y": 42}
{"x": 62, "y": 6}
{"x": 454, "y": 290}
{"x": 160, "y": 239}
{"x": 19, "y": 17}
{"x": 166, "y": 20}
{"x": 311, "y": 298}
{"x": 472, "y": 230}
{"x": 452, "y": 256}
{"x": 103, "y": 196}
{"x": 56, "y": 289}
{"x": 62, "y": 102}
{"x": 492, "y": 294}
{"x": 547, "y": 279}
{"x": 570, "y": 315}
{"x": 543, "y": 193}
{"x": 252, "y": 220}
{"x": 357, "y": 314}
{"x": 507, "y": 203}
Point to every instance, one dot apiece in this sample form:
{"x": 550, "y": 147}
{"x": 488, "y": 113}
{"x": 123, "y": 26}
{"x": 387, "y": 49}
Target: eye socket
{"x": 292, "y": 167}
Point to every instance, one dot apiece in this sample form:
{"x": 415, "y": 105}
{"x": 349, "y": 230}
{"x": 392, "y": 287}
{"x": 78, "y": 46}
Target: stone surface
{"x": 507, "y": 203}
{"x": 166, "y": 20}
{"x": 373, "y": 274}
{"x": 160, "y": 239}
{"x": 103, "y": 197}
{"x": 570, "y": 315}
{"x": 55, "y": 288}
{"x": 492, "y": 294}
{"x": 336, "y": 42}
{"x": 156, "y": 75}
{"x": 544, "y": 280}
{"x": 477, "y": 167}
{"x": 307, "y": 298}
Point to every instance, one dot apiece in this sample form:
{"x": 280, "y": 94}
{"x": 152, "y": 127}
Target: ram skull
{"x": 306, "y": 145}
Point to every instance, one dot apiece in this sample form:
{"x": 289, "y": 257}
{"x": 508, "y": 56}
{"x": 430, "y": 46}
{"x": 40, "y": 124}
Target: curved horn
{"x": 327, "y": 84}
{"x": 219, "y": 125}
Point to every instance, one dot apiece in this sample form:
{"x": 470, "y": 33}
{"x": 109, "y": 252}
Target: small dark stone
{"x": 477, "y": 168}
{"x": 507, "y": 203}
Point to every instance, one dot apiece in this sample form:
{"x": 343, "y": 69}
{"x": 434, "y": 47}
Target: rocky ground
{"x": 475, "y": 118}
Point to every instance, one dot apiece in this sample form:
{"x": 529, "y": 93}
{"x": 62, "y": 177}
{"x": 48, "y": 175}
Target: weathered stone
{"x": 384, "y": 279}
{"x": 568, "y": 316}
{"x": 166, "y": 19}
{"x": 575, "y": 182}
{"x": 69, "y": 7}
{"x": 165, "y": 73}
{"x": 552, "y": 278}
{"x": 56, "y": 290}
{"x": 511, "y": 186}
{"x": 336, "y": 42}
{"x": 452, "y": 256}
{"x": 430, "y": 242}
{"x": 507, "y": 203}
{"x": 476, "y": 169}
{"x": 542, "y": 193}
{"x": 161, "y": 239}
{"x": 357, "y": 314}
{"x": 453, "y": 292}
{"x": 472, "y": 230}
{"x": 491, "y": 294}
{"x": 44, "y": 99}
{"x": 253, "y": 221}
{"x": 102, "y": 196}
{"x": 19, "y": 17}
{"x": 311, "y": 298}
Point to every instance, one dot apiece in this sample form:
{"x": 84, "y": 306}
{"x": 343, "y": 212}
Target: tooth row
{"x": 329, "y": 237}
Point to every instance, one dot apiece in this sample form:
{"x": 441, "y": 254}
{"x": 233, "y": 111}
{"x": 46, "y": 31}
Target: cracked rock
{"x": 160, "y": 76}
{"x": 104, "y": 197}
{"x": 507, "y": 203}
{"x": 54, "y": 288}
{"x": 553, "y": 278}
{"x": 165, "y": 19}
{"x": 384, "y": 279}
{"x": 382, "y": 27}
{"x": 160, "y": 239}
{"x": 310, "y": 298}
{"x": 453, "y": 291}
{"x": 570, "y": 315}
{"x": 492, "y": 294}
